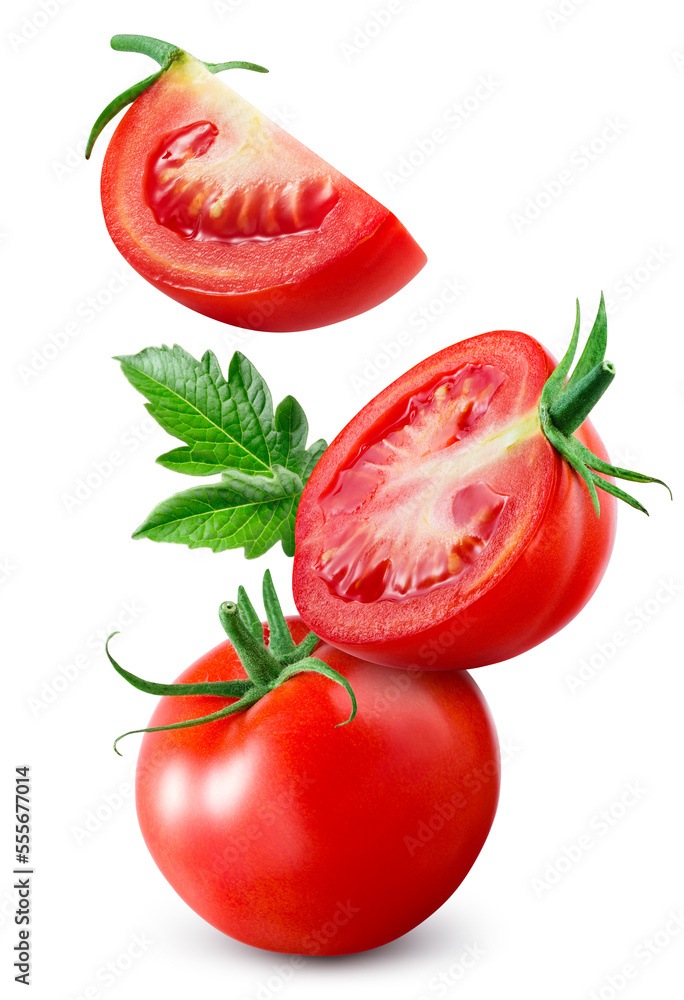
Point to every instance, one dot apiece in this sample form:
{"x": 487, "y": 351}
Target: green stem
{"x": 571, "y": 409}
{"x": 261, "y": 666}
{"x": 565, "y": 405}
{"x": 267, "y": 668}
{"x": 163, "y": 53}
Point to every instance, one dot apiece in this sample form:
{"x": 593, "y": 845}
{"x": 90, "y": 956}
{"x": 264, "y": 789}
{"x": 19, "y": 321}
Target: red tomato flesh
{"x": 227, "y": 213}
{"x": 289, "y": 833}
{"x": 202, "y": 205}
{"x": 441, "y": 528}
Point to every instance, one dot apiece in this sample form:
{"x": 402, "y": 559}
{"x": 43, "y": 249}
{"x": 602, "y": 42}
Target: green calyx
{"x": 267, "y": 667}
{"x": 163, "y": 53}
{"x": 564, "y": 406}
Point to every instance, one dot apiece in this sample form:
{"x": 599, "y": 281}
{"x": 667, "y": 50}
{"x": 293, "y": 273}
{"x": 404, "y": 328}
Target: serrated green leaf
{"x": 228, "y": 427}
{"x": 313, "y": 456}
{"x": 187, "y": 461}
{"x": 224, "y": 423}
{"x": 241, "y": 511}
{"x": 292, "y": 429}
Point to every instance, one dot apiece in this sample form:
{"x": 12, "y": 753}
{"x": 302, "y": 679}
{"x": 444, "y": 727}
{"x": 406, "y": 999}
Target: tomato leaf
{"x": 228, "y": 426}
{"x": 313, "y": 455}
{"x": 292, "y": 429}
{"x": 225, "y": 424}
{"x": 242, "y": 511}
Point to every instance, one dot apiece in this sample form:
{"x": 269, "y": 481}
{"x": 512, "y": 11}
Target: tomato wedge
{"x": 220, "y": 208}
{"x": 443, "y": 528}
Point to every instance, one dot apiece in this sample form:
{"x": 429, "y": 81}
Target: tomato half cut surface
{"x": 441, "y": 528}
{"x": 220, "y": 208}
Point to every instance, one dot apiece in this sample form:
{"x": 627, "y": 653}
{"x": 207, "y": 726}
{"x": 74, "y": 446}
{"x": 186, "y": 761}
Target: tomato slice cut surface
{"x": 440, "y": 506}
{"x": 220, "y": 208}
{"x": 409, "y": 514}
{"x": 201, "y": 204}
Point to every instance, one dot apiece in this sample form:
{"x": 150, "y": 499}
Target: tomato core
{"x": 400, "y": 518}
{"x": 214, "y": 202}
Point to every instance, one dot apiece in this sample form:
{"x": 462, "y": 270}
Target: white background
{"x": 363, "y": 98}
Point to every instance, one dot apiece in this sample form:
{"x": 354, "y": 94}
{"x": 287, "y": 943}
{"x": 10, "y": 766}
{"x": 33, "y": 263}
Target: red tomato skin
{"x": 341, "y": 279}
{"x": 390, "y": 256}
{"x": 295, "y": 836}
{"x": 550, "y": 581}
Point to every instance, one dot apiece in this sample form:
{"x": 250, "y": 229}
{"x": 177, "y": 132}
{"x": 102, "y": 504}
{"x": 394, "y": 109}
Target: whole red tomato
{"x": 220, "y": 208}
{"x": 455, "y": 521}
{"x": 291, "y": 832}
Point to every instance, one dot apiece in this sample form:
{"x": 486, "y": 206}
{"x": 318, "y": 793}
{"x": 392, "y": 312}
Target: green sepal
{"x": 564, "y": 405}
{"x": 609, "y": 487}
{"x": 249, "y": 615}
{"x": 595, "y": 348}
{"x": 249, "y": 699}
{"x": 564, "y": 447}
{"x": 216, "y": 689}
{"x": 596, "y": 463}
{"x": 233, "y": 64}
{"x": 556, "y": 380}
{"x": 165, "y": 54}
{"x": 280, "y": 641}
{"x": 304, "y": 649}
{"x": 261, "y": 665}
{"x": 313, "y": 665}
{"x": 267, "y": 668}
{"x": 117, "y": 105}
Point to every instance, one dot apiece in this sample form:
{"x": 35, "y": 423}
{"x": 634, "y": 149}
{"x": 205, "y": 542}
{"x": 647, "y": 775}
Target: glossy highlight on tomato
{"x": 220, "y": 208}
{"x": 441, "y": 529}
{"x": 293, "y": 833}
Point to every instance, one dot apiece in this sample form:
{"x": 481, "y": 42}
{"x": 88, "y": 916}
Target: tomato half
{"x": 441, "y": 529}
{"x": 293, "y": 833}
{"x": 227, "y": 213}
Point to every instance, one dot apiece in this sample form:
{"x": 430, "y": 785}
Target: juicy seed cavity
{"x": 411, "y": 511}
{"x": 215, "y": 203}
